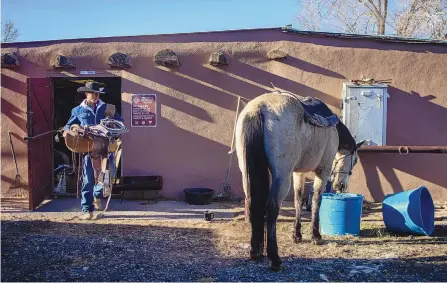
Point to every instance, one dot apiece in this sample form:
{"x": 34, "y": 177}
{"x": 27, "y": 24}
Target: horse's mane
{"x": 345, "y": 139}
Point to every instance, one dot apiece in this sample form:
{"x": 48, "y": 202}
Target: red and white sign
{"x": 144, "y": 110}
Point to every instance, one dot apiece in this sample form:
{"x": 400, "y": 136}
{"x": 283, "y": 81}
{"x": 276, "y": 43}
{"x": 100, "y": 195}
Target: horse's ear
{"x": 360, "y": 143}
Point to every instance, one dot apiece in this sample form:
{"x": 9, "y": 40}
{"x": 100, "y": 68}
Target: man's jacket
{"x": 84, "y": 115}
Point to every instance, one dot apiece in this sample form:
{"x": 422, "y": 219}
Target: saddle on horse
{"x": 317, "y": 113}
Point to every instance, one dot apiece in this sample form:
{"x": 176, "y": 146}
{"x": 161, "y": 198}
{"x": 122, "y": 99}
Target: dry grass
{"x": 375, "y": 243}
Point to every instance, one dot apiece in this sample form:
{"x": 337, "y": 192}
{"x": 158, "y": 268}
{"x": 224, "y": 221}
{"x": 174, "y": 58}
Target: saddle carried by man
{"x": 99, "y": 141}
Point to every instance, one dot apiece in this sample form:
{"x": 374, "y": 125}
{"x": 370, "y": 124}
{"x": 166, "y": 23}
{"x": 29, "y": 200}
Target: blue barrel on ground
{"x": 409, "y": 212}
{"x": 340, "y": 214}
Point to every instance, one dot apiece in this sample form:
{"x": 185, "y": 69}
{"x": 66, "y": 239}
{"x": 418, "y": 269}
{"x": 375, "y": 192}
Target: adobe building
{"x": 197, "y": 79}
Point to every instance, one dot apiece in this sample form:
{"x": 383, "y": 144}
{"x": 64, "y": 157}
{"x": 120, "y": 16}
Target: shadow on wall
{"x": 13, "y": 84}
{"x": 191, "y": 160}
{"x": 9, "y": 109}
{"x": 12, "y": 115}
{"x": 264, "y": 78}
{"x": 311, "y": 68}
{"x": 407, "y": 112}
{"x": 215, "y": 86}
{"x": 222, "y": 79}
{"x": 219, "y": 85}
{"x": 237, "y": 78}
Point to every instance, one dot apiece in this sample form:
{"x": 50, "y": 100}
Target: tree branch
{"x": 9, "y": 32}
{"x": 375, "y": 8}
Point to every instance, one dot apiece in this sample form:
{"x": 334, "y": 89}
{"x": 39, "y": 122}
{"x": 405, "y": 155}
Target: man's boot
{"x": 87, "y": 216}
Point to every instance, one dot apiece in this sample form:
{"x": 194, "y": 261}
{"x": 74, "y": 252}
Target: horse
{"x": 276, "y": 144}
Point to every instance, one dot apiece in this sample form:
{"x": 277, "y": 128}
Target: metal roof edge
{"x": 387, "y": 38}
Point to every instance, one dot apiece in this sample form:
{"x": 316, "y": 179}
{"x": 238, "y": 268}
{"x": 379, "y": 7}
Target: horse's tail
{"x": 257, "y": 170}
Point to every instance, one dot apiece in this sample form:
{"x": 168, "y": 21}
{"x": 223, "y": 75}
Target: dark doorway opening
{"x": 66, "y": 98}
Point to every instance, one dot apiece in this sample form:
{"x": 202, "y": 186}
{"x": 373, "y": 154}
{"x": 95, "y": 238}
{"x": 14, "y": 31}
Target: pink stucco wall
{"x": 197, "y": 102}
{"x": 13, "y": 106}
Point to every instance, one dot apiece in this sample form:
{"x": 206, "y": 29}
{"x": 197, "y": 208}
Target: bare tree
{"x": 379, "y": 11}
{"x": 9, "y": 32}
{"x": 311, "y": 15}
{"x": 422, "y": 18}
{"x": 351, "y": 16}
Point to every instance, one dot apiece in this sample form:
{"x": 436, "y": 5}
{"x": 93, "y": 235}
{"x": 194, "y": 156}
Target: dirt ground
{"x": 52, "y": 247}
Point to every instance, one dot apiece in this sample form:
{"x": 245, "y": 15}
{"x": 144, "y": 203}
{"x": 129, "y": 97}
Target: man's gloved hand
{"x": 74, "y": 127}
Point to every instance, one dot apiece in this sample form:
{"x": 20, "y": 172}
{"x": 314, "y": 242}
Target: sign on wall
{"x": 87, "y": 72}
{"x": 144, "y": 110}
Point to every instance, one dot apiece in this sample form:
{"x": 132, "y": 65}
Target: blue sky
{"x": 60, "y": 19}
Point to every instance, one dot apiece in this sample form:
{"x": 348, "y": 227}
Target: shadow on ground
{"x": 50, "y": 251}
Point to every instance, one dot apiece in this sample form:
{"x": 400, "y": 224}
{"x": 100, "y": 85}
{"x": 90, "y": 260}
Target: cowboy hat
{"x": 91, "y": 87}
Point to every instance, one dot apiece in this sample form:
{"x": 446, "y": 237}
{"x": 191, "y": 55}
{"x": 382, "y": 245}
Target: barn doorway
{"x": 66, "y": 98}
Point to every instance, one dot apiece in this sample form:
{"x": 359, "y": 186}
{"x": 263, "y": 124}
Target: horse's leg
{"x": 320, "y": 181}
{"x": 278, "y": 191}
{"x": 298, "y": 193}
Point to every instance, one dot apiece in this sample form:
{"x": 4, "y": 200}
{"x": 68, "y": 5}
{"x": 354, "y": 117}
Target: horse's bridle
{"x": 343, "y": 172}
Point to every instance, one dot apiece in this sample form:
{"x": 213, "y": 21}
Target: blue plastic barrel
{"x": 340, "y": 214}
{"x": 410, "y": 212}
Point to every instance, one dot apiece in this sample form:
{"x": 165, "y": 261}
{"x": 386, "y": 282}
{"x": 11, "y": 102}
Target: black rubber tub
{"x": 198, "y": 196}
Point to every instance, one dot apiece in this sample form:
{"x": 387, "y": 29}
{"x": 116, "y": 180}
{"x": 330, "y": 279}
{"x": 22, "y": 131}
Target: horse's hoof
{"x": 316, "y": 236}
{"x": 257, "y": 257}
{"x": 297, "y": 239}
{"x": 276, "y": 266}
{"x": 317, "y": 242}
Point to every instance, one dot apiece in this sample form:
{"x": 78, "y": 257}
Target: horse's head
{"x": 344, "y": 162}
{"x": 345, "y": 159}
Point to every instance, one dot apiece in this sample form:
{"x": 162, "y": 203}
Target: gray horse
{"x": 274, "y": 140}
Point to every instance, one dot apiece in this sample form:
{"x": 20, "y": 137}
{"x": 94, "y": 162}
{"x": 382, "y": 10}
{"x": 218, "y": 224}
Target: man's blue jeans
{"x": 89, "y": 189}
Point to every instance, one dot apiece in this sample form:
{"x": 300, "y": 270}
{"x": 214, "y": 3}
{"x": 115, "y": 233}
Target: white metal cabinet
{"x": 364, "y": 112}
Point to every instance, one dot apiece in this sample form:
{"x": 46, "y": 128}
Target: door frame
{"x": 99, "y": 73}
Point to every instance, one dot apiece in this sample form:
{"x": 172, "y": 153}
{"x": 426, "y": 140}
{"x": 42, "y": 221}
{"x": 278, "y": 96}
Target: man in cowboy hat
{"x": 90, "y": 112}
